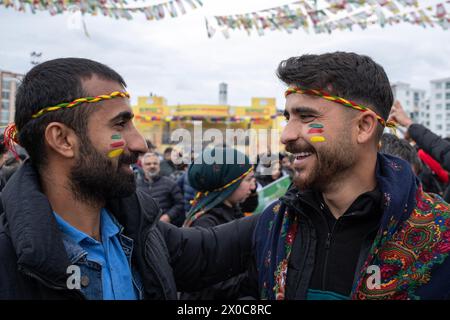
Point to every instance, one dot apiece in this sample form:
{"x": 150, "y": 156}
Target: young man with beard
{"x": 73, "y": 225}
{"x": 356, "y": 224}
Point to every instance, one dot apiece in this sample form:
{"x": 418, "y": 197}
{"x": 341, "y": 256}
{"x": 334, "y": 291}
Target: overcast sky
{"x": 174, "y": 57}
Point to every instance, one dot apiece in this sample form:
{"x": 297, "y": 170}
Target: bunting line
{"x": 337, "y": 15}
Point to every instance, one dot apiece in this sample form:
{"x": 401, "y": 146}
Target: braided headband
{"x": 11, "y": 133}
{"x": 78, "y": 101}
{"x": 344, "y": 102}
{"x": 200, "y": 194}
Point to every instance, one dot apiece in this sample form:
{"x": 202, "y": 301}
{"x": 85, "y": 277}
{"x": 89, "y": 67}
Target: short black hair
{"x": 344, "y": 74}
{"x": 390, "y": 144}
{"x": 51, "y": 83}
{"x": 168, "y": 150}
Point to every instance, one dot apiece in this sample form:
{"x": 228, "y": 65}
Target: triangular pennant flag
{"x": 181, "y": 6}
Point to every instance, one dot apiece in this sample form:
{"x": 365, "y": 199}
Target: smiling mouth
{"x": 302, "y": 155}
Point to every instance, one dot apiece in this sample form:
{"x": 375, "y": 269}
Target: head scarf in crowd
{"x": 216, "y": 181}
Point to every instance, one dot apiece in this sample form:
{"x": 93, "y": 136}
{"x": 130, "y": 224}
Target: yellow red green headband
{"x": 11, "y": 133}
{"x": 344, "y": 102}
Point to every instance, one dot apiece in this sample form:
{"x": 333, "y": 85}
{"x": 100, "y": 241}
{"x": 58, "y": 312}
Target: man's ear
{"x": 61, "y": 139}
{"x": 367, "y": 127}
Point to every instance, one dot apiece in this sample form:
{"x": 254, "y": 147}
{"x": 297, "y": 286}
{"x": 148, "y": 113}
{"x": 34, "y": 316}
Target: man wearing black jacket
{"x": 73, "y": 225}
{"x": 356, "y": 224}
{"x": 164, "y": 190}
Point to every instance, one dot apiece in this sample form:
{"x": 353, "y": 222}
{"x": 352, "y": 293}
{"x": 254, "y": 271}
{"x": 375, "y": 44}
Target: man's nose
{"x": 290, "y": 133}
{"x": 136, "y": 142}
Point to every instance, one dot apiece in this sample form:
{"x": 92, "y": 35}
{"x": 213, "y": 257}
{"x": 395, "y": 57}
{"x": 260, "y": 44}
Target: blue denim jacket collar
{"x": 78, "y": 256}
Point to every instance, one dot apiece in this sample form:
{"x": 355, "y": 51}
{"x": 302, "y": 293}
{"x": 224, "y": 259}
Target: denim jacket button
{"x": 84, "y": 281}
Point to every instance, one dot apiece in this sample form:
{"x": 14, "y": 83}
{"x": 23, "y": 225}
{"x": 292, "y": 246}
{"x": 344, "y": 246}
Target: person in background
{"x": 167, "y": 165}
{"x": 438, "y": 148}
{"x": 263, "y": 179}
{"x": 164, "y": 190}
{"x": 286, "y": 164}
{"x": 221, "y": 186}
{"x": 251, "y": 203}
{"x": 390, "y": 144}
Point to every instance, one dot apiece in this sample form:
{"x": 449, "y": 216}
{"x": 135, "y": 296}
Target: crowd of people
{"x": 169, "y": 184}
{"x": 366, "y": 215}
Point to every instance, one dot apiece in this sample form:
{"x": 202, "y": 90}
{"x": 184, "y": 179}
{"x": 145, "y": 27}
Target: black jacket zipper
{"x": 328, "y": 243}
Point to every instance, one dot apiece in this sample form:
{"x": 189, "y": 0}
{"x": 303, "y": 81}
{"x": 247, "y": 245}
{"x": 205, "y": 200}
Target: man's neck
{"x": 150, "y": 178}
{"x": 82, "y": 215}
{"x": 340, "y": 195}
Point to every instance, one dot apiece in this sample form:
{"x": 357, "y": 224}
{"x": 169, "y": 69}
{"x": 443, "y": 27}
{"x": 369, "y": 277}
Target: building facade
{"x": 9, "y": 82}
{"x": 413, "y": 101}
{"x": 158, "y": 121}
{"x": 440, "y": 107}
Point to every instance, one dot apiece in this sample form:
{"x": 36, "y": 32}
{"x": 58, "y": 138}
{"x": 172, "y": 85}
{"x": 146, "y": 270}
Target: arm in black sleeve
{"x": 201, "y": 257}
{"x": 431, "y": 143}
{"x": 206, "y": 221}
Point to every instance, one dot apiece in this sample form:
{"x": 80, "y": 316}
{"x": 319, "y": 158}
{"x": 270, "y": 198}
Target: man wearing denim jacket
{"x": 73, "y": 225}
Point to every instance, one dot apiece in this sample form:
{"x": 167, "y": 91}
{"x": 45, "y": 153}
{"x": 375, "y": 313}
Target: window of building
{"x": 438, "y": 85}
{"x": 439, "y": 127}
{"x": 438, "y": 106}
{"x": 438, "y": 96}
{"x": 447, "y": 96}
{"x": 439, "y": 117}
{"x": 447, "y": 106}
{"x": 5, "y": 104}
{"x": 447, "y": 85}
{"x": 5, "y": 84}
{"x": 5, "y": 115}
{"x": 427, "y": 123}
{"x": 5, "y": 95}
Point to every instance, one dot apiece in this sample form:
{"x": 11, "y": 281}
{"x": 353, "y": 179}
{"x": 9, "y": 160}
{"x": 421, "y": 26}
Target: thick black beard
{"x": 95, "y": 178}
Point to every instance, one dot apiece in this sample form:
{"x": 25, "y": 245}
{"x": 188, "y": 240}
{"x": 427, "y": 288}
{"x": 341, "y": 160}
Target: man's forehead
{"x": 305, "y": 102}
{"x": 95, "y": 86}
{"x": 151, "y": 158}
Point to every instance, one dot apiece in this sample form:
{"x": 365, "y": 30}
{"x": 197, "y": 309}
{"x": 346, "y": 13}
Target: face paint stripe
{"x": 317, "y": 139}
{"x": 315, "y": 130}
{"x": 116, "y": 136}
{"x": 117, "y": 144}
{"x": 316, "y": 125}
{"x": 115, "y": 153}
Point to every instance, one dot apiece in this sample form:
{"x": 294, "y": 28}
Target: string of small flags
{"x": 205, "y": 118}
{"x": 336, "y": 15}
{"x": 119, "y": 9}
